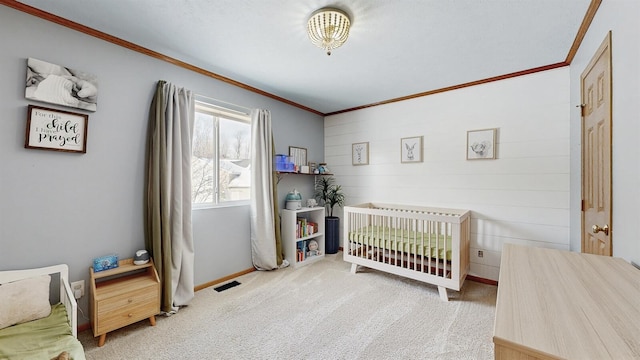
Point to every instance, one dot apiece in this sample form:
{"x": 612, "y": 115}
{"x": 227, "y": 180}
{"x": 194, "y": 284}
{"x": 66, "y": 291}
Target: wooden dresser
{"x": 123, "y": 296}
{"x": 555, "y": 304}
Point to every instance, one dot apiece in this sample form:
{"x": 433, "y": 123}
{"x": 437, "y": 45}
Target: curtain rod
{"x": 239, "y": 109}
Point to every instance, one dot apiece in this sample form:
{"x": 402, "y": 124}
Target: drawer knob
{"x": 130, "y": 301}
{"x": 130, "y": 315}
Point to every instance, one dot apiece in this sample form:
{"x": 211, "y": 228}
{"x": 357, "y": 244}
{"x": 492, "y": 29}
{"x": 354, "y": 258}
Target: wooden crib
{"x": 421, "y": 243}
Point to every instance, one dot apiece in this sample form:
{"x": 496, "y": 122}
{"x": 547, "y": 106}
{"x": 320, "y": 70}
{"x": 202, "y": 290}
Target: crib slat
{"x": 418, "y": 257}
{"x": 403, "y": 231}
{"x": 422, "y": 230}
{"x": 355, "y": 230}
{"x": 395, "y": 238}
{"x": 430, "y": 232}
{"x": 438, "y": 236}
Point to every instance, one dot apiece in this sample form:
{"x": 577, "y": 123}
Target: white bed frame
{"x": 66, "y": 295}
{"x": 446, "y": 274}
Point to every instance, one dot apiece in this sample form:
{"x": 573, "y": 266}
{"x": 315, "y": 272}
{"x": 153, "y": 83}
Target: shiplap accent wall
{"x": 521, "y": 197}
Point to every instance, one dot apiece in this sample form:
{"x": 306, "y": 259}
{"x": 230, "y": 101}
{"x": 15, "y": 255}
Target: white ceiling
{"x": 396, "y": 48}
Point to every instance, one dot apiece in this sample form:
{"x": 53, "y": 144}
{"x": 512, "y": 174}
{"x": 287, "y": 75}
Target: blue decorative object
{"x": 323, "y": 169}
{"x": 105, "y": 262}
{"x": 284, "y": 164}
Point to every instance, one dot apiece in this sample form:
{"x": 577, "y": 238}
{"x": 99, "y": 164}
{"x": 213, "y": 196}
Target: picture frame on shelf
{"x": 360, "y": 153}
{"x": 411, "y": 149}
{"x": 56, "y": 130}
{"x": 481, "y": 144}
{"x": 298, "y": 156}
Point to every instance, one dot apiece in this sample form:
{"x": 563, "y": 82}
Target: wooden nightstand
{"x": 123, "y": 296}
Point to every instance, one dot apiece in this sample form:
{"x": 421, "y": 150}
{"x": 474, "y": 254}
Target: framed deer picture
{"x": 411, "y": 149}
{"x": 481, "y": 144}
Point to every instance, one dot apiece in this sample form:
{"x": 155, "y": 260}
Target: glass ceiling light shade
{"x": 328, "y": 28}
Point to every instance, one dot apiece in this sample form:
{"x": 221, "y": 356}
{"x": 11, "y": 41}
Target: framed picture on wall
{"x": 481, "y": 144}
{"x": 57, "y": 130}
{"x": 360, "y": 153}
{"x": 411, "y": 149}
{"x": 56, "y": 84}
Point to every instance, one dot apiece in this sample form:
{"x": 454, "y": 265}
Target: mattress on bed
{"x": 43, "y": 339}
{"x": 407, "y": 241}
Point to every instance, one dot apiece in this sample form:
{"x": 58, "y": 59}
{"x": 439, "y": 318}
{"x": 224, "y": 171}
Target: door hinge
{"x": 582, "y": 205}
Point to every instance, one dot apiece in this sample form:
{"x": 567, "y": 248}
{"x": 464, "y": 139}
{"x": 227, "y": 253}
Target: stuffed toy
{"x": 313, "y": 248}
{"x": 63, "y": 356}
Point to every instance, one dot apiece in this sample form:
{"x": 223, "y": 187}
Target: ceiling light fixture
{"x": 328, "y": 28}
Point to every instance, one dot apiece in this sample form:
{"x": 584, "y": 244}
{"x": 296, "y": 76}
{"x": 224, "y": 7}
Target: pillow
{"x": 24, "y": 300}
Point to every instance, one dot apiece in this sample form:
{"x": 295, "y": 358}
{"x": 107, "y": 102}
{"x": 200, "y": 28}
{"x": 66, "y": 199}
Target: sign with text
{"x": 57, "y": 130}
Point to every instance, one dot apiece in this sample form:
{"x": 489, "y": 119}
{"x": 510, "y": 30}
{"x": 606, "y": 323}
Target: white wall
{"x": 70, "y": 208}
{"x": 521, "y": 197}
{"x": 621, "y": 18}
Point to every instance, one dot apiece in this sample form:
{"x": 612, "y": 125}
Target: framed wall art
{"x": 360, "y": 153}
{"x": 481, "y": 144}
{"x": 411, "y": 149}
{"x": 56, "y": 84}
{"x": 50, "y": 129}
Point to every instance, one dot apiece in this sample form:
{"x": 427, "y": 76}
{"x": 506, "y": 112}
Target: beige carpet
{"x": 320, "y": 311}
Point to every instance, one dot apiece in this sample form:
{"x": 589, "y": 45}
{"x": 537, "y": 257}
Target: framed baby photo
{"x": 411, "y": 149}
{"x": 59, "y": 85}
{"x": 481, "y": 144}
{"x": 360, "y": 153}
{"x": 57, "y": 130}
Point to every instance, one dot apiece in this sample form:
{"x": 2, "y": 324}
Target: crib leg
{"x": 354, "y": 267}
{"x": 443, "y": 293}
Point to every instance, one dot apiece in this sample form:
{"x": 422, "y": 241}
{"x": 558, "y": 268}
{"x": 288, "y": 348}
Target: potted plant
{"x": 328, "y": 194}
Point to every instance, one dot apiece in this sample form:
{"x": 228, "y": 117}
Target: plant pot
{"x": 332, "y": 234}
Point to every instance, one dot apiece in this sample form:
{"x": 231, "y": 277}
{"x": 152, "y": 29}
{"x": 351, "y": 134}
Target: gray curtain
{"x": 168, "y": 229}
{"x": 266, "y": 245}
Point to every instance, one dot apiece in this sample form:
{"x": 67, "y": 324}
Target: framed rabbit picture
{"x": 411, "y": 149}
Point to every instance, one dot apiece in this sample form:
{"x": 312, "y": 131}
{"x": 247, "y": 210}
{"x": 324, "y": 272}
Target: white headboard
{"x": 13, "y": 275}
{"x": 66, "y": 295}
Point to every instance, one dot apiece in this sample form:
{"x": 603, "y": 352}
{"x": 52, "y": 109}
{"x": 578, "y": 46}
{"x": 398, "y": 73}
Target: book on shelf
{"x": 305, "y": 227}
{"x": 301, "y": 250}
{"x": 312, "y": 227}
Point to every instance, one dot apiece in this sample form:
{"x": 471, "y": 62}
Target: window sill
{"x": 221, "y": 205}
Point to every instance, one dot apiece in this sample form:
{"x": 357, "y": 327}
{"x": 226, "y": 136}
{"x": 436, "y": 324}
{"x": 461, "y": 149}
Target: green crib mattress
{"x": 42, "y": 339}
{"x": 406, "y": 241}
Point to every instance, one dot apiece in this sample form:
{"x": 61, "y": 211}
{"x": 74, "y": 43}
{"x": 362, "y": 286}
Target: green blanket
{"x": 406, "y": 241}
{"x": 42, "y": 339}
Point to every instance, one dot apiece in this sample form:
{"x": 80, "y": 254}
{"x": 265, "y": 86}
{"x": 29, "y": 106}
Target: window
{"x": 221, "y": 156}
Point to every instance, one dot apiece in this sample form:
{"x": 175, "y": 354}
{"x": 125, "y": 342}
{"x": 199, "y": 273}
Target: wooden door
{"x": 596, "y": 152}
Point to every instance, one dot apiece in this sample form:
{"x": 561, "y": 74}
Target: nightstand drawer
{"x": 119, "y": 311}
{"x": 133, "y": 298}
